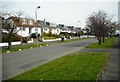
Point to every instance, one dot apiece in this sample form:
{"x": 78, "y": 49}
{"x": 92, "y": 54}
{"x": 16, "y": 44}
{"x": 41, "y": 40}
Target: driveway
{"x": 18, "y": 62}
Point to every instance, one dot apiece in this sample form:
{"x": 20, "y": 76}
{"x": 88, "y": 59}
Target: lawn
{"x": 22, "y": 47}
{"x": 28, "y": 46}
{"x": 46, "y": 38}
{"x": 74, "y": 66}
{"x": 107, "y": 44}
{"x": 0, "y": 50}
{"x": 71, "y": 40}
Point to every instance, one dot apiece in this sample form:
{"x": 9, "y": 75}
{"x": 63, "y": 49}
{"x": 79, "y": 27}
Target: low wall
{"x": 13, "y": 43}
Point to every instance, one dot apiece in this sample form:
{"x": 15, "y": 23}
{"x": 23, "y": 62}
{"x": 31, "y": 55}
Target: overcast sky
{"x": 67, "y": 12}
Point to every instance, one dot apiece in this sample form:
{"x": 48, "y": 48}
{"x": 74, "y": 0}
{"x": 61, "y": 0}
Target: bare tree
{"x": 10, "y": 24}
{"x": 100, "y": 23}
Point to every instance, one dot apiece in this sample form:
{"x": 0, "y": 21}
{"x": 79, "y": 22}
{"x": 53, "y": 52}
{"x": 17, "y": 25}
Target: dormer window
{"x": 24, "y": 21}
{"x": 30, "y": 22}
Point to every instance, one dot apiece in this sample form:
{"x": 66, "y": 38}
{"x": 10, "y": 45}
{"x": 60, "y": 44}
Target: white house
{"x": 64, "y": 29}
{"x": 24, "y": 28}
{"x": 48, "y": 27}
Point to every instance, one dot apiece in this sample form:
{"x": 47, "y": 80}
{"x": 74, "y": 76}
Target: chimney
{"x": 44, "y": 21}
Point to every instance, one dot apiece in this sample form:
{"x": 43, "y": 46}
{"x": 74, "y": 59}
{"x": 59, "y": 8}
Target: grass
{"x": 28, "y": 46}
{"x": 71, "y": 40}
{"x": 107, "y": 44}
{"x": 46, "y": 38}
{"x": 22, "y": 47}
{"x": 75, "y": 66}
{"x": 0, "y": 50}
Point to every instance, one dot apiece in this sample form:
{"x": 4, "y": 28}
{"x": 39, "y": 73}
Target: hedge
{"x": 13, "y": 39}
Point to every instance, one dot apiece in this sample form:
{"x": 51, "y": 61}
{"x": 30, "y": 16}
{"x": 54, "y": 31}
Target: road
{"x": 18, "y": 62}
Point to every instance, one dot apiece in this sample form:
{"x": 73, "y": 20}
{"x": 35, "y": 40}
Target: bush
{"x": 72, "y": 34}
{"x": 13, "y": 38}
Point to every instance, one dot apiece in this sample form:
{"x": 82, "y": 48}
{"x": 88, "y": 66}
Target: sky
{"x": 67, "y": 12}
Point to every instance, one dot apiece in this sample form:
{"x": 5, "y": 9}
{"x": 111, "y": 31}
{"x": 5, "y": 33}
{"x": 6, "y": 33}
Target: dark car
{"x": 34, "y": 35}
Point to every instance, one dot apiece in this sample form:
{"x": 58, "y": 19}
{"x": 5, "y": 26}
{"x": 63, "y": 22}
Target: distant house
{"x": 117, "y": 30}
{"x": 64, "y": 28}
{"x": 78, "y": 29}
{"x": 48, "y": 27}
{"x": 43, "y": 26}
{"x": 54, "y": 29}
{"x": 84, "y": 31}
{"x": 72, "y": 28}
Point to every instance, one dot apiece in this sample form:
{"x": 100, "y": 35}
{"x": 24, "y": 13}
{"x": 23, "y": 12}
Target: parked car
{"x": 34, "y": 35}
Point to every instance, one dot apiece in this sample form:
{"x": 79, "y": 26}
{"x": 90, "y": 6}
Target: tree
{"x": 10, "y": 24}
{"x": 100, "y": 23}
{"x": 1, "y": 20}
{"x": 87, "y": 31}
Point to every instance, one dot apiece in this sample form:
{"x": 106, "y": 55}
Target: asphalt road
{"x": 17, "y": 62}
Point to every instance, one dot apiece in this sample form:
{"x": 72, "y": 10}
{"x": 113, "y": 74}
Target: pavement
{"x": 17, "y": 62}
{"x": 110, "y": 72}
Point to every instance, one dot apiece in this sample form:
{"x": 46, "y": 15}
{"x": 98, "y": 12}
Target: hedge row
{"x": 13, "y": 38}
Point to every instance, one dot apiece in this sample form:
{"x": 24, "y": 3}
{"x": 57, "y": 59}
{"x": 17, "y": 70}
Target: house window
{"x": 30, "y": 30}
{"x": 24, "y": 29}
{"x": 57, "y": 30}
{"x": 24, "y": 21}
{"x": 45, "y": 29}
{"x": 36, "y": 29}
{"x": 30, "y": 22}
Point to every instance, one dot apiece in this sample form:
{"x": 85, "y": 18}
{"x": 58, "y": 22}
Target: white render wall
{"x": 46, "y": 29}
{"x": 55, "y": 31}
{"x": 26, "y": 32}
{"x": 34, "y": 30}
{"x": 22, "y": 32}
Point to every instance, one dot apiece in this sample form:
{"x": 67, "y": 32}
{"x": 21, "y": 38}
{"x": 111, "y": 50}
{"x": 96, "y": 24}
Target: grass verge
{"x": 47, "y": 38}
{"x": 74, "y": 66}
{"x": 22, "y": 47}
{"x": 28, "y": 46}
{"x": 107, "y": 44}
{"x": 71, "y": 40}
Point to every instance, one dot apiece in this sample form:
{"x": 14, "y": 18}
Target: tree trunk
{"x": 9, "y": 44}
{"x": 99, "y": 39}
{"x": 99, "y": 42}
{"x": 110, "y": 35}
{"x": 103, "y": 39}
{"x": 9, "y": 41}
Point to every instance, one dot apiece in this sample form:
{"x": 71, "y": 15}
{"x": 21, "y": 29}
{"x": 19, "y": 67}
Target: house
{"x": 44, "y": 28}
{"x": 84, "y": 31}
{"x": 72, "y": 28}
{"x": 53, "y": 28}
{"x": 24, "y": 28}
{"x": 64, "y": 28}
{"x": 48, "y": 27}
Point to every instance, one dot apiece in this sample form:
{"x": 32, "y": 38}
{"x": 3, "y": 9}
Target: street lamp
{"x": 78, "y": 27}
{"x": 36, "y": 22}
{"x": 78, "y": 23}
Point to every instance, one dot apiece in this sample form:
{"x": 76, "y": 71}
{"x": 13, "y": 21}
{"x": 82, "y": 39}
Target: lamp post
{"x": 77, "y": 23}
{"x": 36, "y": 22}
{"x": 78, "y": 30}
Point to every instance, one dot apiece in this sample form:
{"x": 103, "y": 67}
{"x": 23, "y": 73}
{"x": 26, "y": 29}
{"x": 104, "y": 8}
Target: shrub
{"x": 13, "y": 38}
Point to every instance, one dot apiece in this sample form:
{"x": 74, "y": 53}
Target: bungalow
{"x": 64, "y": 28}
{"x": 53, "y": 28}
{"x": 72, "y": 28}
{"x": 48, "y": 27}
